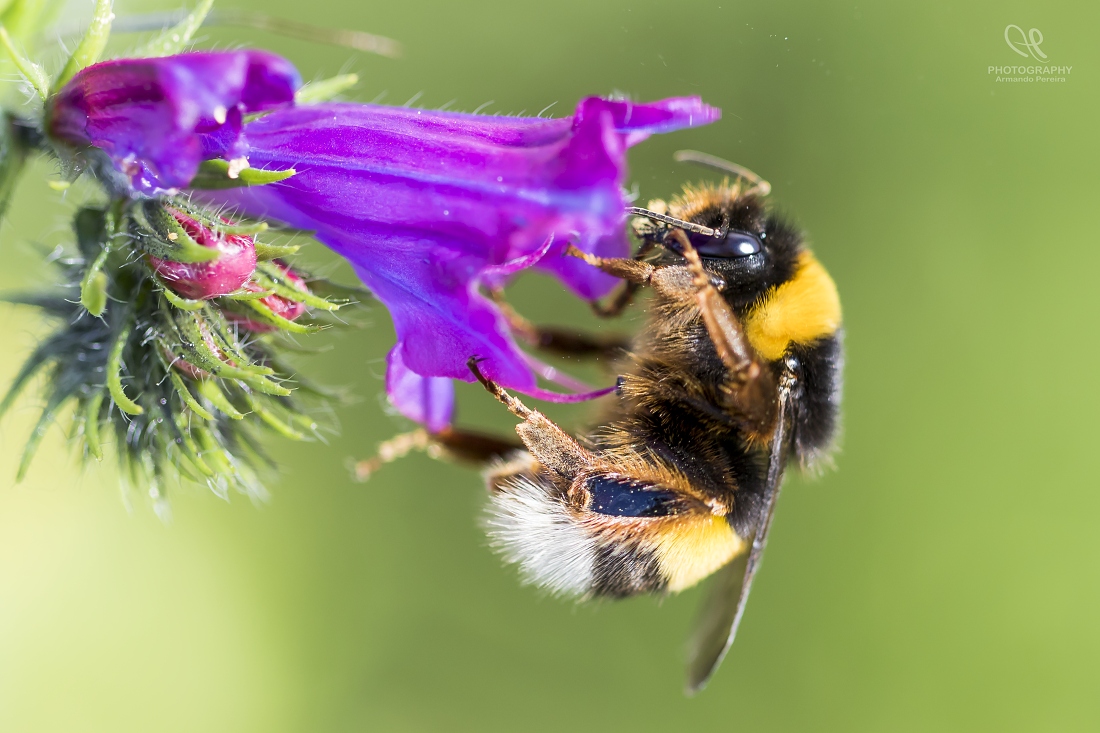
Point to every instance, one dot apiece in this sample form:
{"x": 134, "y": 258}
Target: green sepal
{"x": 247, "y": 230}
{"x": 271, "y": 277}
{"x": 213, "y": 175}
{"x": 219, "y": 331}
{"x": 271, "y": 419}
{"x": 92, "y": 409}
{"x": 198, "y": 353}
{"x": 329, "y": 289}
{"x": 194, "y": 334}
{"x": 174, "y": 39}
{"x": 186, "y": 445}
{"x": 249, "y": 294}
{"x": 325, "y": 89}
{"x": 49, "y": 415}
{"x": 186, "y": 396}
{"x": 178, "y": 301}
{"x": 209, "y": 389}
{"x": 114, "y": 374}
{"x": 266, "y": 252}
{"x": 13, "y": 158}
{"x": 35, "y": 74}
{"x": 41, "y": 356}
{"x": 212, "y": 451}
{"x": 256, "y": 311}
{"x": 93, "y": 288}
{"x": 94, "y": 242}
{"x": 164, "y": 238}
{"x": 91, "y": 45}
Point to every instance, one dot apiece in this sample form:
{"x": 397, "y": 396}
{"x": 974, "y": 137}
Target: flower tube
{"x": 431, "y": 207}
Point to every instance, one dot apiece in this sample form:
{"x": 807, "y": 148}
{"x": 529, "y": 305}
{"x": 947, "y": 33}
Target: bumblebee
{"x": 735, "y": 374}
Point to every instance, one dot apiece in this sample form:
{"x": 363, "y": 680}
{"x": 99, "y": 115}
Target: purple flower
{"x": 431, "y": 206}
{"x": 159, "y": 118}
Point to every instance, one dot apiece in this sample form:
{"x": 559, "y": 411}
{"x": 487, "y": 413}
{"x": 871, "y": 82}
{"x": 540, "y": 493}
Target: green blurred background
{"x": 944, "y": 577}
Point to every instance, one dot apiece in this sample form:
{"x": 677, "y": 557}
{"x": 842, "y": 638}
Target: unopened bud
{"x": 201, "y": 280}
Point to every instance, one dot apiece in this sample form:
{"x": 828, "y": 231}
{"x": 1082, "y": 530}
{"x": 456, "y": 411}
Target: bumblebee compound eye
{"x": 621, "y": 497}
{"x": 734, "y": 244}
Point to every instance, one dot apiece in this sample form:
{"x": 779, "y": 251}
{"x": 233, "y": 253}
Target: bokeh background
{"x": 944, "y": 577}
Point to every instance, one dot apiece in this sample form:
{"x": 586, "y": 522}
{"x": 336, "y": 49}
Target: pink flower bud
{"x": 201, "y": 280}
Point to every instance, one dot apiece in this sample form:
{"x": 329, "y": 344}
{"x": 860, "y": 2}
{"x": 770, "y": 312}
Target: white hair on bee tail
{"x": 534, "y": 530}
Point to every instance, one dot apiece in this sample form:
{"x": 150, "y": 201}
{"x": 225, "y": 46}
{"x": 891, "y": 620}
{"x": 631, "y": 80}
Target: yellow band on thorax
{"x": 802, "y": 310}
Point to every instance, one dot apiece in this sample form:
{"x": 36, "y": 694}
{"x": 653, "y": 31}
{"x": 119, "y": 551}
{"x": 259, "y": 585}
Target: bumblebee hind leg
{"x": 468, "y": 446}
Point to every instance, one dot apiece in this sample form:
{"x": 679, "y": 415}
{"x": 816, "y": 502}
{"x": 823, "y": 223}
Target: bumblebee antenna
{"x": 673, "y": 221}
{"x": 713, "y": 161}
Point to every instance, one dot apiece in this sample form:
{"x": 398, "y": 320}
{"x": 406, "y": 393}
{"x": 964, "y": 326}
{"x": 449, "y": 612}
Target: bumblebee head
{"x": 606, "y": 533}
{"x": 750, "y": 248}
{"x": 767, "y": 274}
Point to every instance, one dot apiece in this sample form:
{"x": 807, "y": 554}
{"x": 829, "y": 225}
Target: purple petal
{"x": 431, "y": 206}
{"x": 427, "y": 400}
{"x": 159, "y": 118}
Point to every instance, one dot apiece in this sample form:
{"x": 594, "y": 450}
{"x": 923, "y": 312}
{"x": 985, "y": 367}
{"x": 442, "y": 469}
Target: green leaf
{"x": 91, "y": 45}
{"x": 326, "y": 89}
{"x": 214, "y": 175}
{"x": 173, "y": 40}
{"x": 35, "y": 74}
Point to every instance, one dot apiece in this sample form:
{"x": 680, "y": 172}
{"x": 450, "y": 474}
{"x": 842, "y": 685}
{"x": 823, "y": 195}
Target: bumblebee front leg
{"x": 558, "y": 340}
{"x": 750, "y": 385}
{"x": 549, "y": 445}
{"x": 635, "y": 272}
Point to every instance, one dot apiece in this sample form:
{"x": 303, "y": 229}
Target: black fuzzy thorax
{"x": 672, "y": 404}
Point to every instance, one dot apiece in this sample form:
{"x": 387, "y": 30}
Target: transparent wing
{"x": 724, "y": 604}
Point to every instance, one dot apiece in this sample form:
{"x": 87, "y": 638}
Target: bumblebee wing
{"x": 717, "y": 623}
{"x": 724, "y": 604}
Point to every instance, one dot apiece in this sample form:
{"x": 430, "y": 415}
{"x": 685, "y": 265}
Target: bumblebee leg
{"x": 463, "y": 445}
{"x": 750, "y": 386}
{"x": 550, "y": 445}
{"x": 559, "y": 340}
{"x": 618, "y": 302}
{"x": 633, "y": 270}
{"x": 391, "y": 450}
{"x": 473, "y": 446}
